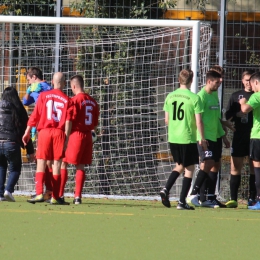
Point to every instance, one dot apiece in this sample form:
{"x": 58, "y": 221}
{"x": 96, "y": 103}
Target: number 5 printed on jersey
{"x": 89, "y": 116}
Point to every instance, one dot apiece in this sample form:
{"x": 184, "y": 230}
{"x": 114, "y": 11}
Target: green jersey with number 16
{"x": 182, "y": 105}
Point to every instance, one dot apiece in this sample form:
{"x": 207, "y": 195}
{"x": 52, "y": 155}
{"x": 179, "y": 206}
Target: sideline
{"x": 65, "y": 212}
{"x": 50, "y": 211}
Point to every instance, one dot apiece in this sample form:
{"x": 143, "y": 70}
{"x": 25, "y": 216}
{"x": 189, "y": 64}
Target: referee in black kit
{"x": 241, "y": 141}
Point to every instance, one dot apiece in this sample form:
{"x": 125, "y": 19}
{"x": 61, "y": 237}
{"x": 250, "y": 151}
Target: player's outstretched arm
{"x": 228, "y": 124}
{"x": 226, "y": 142}
{"x": 68, "y": 126}
{"x": 245, "y": 108}
{"x": 26, "y": 137}
{"x": 200, "y": 127}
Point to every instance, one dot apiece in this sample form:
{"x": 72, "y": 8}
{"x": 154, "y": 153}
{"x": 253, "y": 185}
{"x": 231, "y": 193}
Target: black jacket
{"x": 11, "y": 129}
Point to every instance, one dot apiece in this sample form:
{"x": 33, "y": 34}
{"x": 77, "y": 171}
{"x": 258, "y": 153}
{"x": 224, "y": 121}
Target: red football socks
{"x": 64, "y": 178}
{"x": 80, "y": 179}
{"x": 56, "y": 186}
{"x": 48, "y": 178}
{"x": 39, "y": 179}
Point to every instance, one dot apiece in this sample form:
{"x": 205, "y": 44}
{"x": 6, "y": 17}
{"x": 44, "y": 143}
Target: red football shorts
{"x": 50, "y": 144}
{"x": 79, "y": 149}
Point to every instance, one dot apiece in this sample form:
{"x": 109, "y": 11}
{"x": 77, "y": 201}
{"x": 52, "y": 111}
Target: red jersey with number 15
{"x": 52, "y": 110}
{"x": 86, "y": 113}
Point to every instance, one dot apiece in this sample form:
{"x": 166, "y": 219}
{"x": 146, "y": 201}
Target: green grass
{"x": 115, "y": 229}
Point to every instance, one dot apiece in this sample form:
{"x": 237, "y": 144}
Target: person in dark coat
{"x": 13, "y": 122}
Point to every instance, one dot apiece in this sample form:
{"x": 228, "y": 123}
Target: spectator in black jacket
{"x": 13, "y": 122}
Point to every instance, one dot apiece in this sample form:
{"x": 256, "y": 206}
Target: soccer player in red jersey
{"x": 79, "y": 149}
{"x": 52, "y": 116}
{"x": 37, "y": 85}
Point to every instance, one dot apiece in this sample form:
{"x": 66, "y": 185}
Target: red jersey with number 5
{"x": 52, "y": 110}
{"x": 86, "y": 113}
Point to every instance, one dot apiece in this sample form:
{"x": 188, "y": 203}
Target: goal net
{"x": 129, "y": 70}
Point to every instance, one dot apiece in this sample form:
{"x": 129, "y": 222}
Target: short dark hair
{"x": 212, "y": 74}
{"x": 218, "y": 69}
{"x": 247, "y": 72}
{"x": 79, "y": 79}
{"x": 255, "y": 76}
{"x": 34, "y": 71}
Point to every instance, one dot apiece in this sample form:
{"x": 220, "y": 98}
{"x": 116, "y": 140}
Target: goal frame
{"x": 195, "y": 25}
{"x": 194, "y": 47}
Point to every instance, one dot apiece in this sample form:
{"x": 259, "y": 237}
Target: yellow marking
{"x": 164, "y": 157}
{"x": 50, "y": 211}
{"x": 212, "y": 15}
{"x": 193, "y": 14}
{"x": 66, "y": 212}
{"x": 66, "y": 11}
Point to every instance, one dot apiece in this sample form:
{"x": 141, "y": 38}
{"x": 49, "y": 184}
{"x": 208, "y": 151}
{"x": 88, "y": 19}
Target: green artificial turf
{"x": 116, "y": 229}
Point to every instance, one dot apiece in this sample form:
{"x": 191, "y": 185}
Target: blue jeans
{"x": 10, "y": 153}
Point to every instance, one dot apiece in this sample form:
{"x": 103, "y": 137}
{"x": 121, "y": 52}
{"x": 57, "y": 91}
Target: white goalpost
{"x": 129, "y": 66}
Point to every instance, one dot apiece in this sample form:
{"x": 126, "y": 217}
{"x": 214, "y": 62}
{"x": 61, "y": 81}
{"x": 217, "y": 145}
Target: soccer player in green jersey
{"x": 183, "y": 116}
{"x": 212, "y": 126}
{"x": 207, "y": 190}
{"x": 246, "y": 106}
